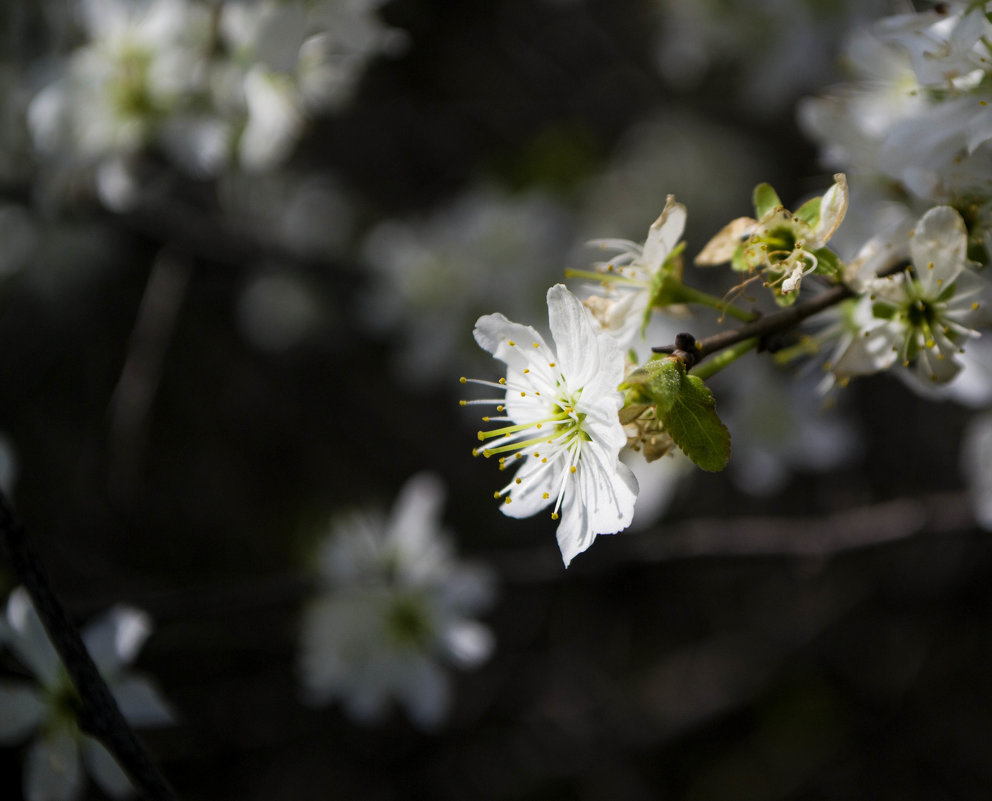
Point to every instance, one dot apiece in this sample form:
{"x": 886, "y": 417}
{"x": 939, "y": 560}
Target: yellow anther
{"x": 551, "y": 364}
{"x": 481, "y": 434}
{"x": 544, "y": 459}
{"x": 523, "y": 394}
{"x": 526, "y": 370}
{"x": 502, "y": 381}
{"x": 538, "y": 425}
{"x": 537, "y": 344}
{"x": 512, "y": 343}
{"x": 571, "y": 469}
{"x": 501, "y": 408}
{"x": 496, "y": 495}
{"x": 485, "y": 419}
{"x": 462, "y": 403}
{"x": 930, "y": 266}
{"x": 507, "y": 499}
{"x": 517, "y": 480}
{"x": 545, "y": 496}
{"x": 554, "y": 515}
{"x": 463, "y": 380}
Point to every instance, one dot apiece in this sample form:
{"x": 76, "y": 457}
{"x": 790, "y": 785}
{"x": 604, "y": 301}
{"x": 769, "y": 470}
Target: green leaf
{"x": 765, "y": 200}
{"x": 686, "y": 408}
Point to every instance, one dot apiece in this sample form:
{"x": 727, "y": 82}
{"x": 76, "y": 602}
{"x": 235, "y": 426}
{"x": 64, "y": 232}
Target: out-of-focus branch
{"x": 142, "y": 369}
{"x": 99, "y": 715}
{"x": 817, "y": 538}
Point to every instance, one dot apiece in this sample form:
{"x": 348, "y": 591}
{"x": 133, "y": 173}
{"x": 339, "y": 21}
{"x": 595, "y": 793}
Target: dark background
{"x": 827, "y": 642}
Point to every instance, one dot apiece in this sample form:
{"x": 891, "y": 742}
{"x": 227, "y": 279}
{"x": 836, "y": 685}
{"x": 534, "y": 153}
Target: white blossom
{"x": 561, "y": 422}
{"x": 394, "y": 603}
{"x": 924, "y": 317}
{"x": 627, "y": 281}
{"x": 53, "y": 769}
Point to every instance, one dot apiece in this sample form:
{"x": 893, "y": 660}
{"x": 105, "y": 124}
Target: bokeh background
{"x": 194, "y": 382}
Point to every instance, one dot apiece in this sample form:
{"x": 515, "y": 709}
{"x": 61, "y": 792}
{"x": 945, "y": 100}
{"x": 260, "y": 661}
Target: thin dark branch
{"x": 814, "y": 539}
{"x": 99, "y": 715}
{"x": 773, "y": 323}
{"x": 769, "y": 324}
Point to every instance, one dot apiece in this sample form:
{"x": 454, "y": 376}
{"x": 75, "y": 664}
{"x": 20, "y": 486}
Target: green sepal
{"x": 738, "y": 262}
{"x": 686, "y": 408}
{"x": 809, "y": 212}
{"x": 765, "y": 200}
{"x": 785, "y": 299}
{"x": 828, "y": 264}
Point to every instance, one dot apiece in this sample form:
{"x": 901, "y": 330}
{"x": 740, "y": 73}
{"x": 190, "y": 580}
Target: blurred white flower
{"x": 772, "y": 49}
{"x": 394, "y": 603}
{"x": 141, "y": 60}
{"x": 917, "y": 116}
{"x": 53, "y": 769}
{"x": 213, "y": 85}
{"x": 434, "y": 277}
{"x": 781, "y": 425}
{"x": 563, "y": 427}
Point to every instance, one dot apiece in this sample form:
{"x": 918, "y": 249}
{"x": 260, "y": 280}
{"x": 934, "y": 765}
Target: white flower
{"x": 629, "y": 280}
{"x": 433, "y": 277}
{"x": 141, "y": 61}
{"x": 394, "y": 602}
{"x": 562, "y": 423}
{"x": 53, "y": 771}
{"x": 948, "y": 47}
{"x": 925, "y": 316}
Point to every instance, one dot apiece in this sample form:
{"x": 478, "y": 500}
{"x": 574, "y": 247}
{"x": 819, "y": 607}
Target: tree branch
{"x": 768, "y": 324}
{"x": 100, "y": 716}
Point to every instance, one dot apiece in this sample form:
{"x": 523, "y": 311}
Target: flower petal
{"x": 29, "y": 640}
{"x": 52, "y": 771}
{"x": 114, "y": 638}
{"x": 468, "y": 643}
{"x": 21, "y": 711}
{"x": 575, "y": 336}
{"x": 141, "y": 704}
{"x": 833, "y": 207}
{"x": 939, "y": 248}
{"x": 664, "y": 234}
{"x": 105, "y": 770}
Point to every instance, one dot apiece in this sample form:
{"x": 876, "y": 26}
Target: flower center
{"x": 545, "y": 433}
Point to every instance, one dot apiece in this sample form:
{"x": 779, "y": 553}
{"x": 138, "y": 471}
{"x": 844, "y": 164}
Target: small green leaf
{"x": 686, "y": 408}
{"x": 765, "y": 200}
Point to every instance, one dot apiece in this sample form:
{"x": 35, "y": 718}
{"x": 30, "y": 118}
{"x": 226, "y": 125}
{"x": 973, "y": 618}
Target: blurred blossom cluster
{"x": 913, "y": 127}
{"x": 211, "y": 85}
{"x": 432, "y": 277}
{"x": 394, "y": 603}
{"x": 775, "y": 49}
{"x": 44, "y": 709}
